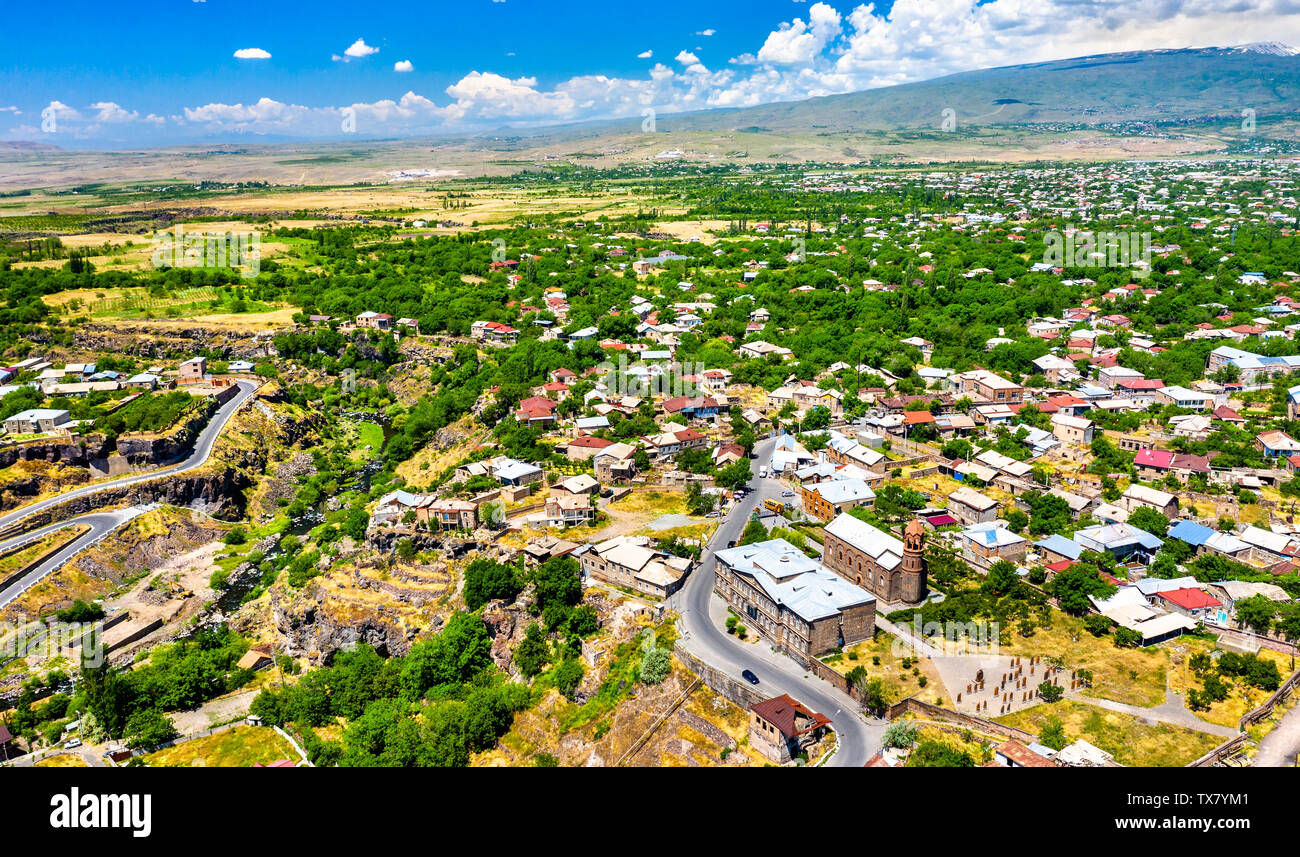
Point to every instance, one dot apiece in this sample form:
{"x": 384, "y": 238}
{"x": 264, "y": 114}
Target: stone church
{"x": 894, "y": 571}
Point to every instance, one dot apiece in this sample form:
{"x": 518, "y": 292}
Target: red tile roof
{"x": 1189, "y": 598}
{"x": 780, "y": 711}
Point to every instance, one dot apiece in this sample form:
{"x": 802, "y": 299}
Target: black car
{"x": 750, "y": 677}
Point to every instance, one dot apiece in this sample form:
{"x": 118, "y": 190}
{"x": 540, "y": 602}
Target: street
{"x": 702, "y": 636}
{"x": 202, "y": 449}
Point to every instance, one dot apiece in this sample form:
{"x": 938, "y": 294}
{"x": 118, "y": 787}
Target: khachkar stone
{"x": 911, "y": 571}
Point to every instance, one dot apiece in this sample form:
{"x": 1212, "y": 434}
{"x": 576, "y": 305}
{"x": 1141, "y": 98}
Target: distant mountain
{"x": 26, "y": 146}
{"x": 1138, "y": 86}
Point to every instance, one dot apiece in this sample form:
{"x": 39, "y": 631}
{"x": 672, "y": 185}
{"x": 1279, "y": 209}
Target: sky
{"x": 139, "y": 73}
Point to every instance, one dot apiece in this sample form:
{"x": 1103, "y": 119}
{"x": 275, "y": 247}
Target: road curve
{"x": 100, "y": 523}
{"x": 202, "y": 449}
{"x": 859, "y": 739}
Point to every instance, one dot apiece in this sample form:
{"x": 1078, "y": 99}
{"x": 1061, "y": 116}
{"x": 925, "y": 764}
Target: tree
{"x": 1050, "y": 692}
{"x": 735, "y": 475}
{"x": 1072, "y": 587}
{"x": 1146, "y": 518}
{"x": 936, "y": 754}
{"x": 148, "y": 728}
{"x": 1257, "y": 613}
{"x": 1098, "y": 625}
{"x": 1053, "y": 733}
{"x": 566, "y": 676}
{"x": 754, "y": 532}
{"x": 532, "y": 652}
{"x": 1001, "y": 578}
{"x": 899, "y": 735}
{"x": 487, "y": 580}
{"x": 1127, "y": 638}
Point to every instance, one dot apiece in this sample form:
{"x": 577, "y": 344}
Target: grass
{"x": 1130, "y": 741}
{"x": 901, "y": 682}
{"x": 1134, "y": 676}
{"x": 1241, "y": 699}
{"x": 240, "y": 747}
{"x": 63, "y": 760}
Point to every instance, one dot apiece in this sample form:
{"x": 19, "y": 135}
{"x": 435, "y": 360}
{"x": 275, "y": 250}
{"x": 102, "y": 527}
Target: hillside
{"x": 1141, "y": 86}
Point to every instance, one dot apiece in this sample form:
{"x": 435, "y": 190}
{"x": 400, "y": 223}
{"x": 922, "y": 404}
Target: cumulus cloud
{"x": 707, "y": 32}
{"x": 800, "y": 43}
{"x": 111, "y": 112}
{"x": 645, "y": 55}
{"x": 252, "y": 54}
{"x": 359, "y": 49}
{"x": 403, "y": 65}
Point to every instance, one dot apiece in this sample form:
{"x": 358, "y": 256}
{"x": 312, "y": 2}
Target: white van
{"x": 762, "y": 473}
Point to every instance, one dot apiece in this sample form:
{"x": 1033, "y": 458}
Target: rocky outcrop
{"x": 506, "y": 623}
{"x": 78, "y": 452}
{"x": 310, "y": 626}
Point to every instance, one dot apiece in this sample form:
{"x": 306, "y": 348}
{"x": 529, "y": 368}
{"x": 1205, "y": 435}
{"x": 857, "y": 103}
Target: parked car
{"x": 73, "y": 744}
{"x": 787, "y": 493}
{"x": 750, "y": 677}
{"x": 714, "y": 515}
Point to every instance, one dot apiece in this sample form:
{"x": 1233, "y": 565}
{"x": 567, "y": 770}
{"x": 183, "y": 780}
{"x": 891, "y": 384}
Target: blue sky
{"x": 140, "y": 73}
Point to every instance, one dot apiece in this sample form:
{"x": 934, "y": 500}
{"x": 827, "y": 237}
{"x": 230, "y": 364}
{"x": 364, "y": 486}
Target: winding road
{"x": 202, "y": 449}
{"x": 702, "y": 635}
{"x": 103, "y": 523}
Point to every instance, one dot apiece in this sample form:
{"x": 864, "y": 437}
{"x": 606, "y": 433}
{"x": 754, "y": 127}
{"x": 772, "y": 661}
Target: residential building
{"x": 781, "y": 728}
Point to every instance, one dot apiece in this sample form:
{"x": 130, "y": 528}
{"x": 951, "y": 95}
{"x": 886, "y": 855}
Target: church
{"x": 892, "y": 570}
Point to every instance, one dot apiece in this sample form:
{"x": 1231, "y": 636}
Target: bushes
{"x": 655, "y": 665}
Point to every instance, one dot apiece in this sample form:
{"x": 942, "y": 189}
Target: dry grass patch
{"x": 1131, "y": 741}
{"x": 1241, "y": 699}
{"x": 1134, "y": 676}
{"x": 901, "y": 682}
{"x": 240, "y": 747}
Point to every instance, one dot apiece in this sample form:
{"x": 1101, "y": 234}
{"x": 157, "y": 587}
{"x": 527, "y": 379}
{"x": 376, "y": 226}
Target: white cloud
{"x": 11, "y": 109}
{"x": 403, "y": 65}
{"x": 359, "y": 49}
{"x": 708, "y": 32}
{"x": 111, "y": 112}
{"x": 645, "y": 55}
{"x": 799, "y": 43}
{"x": 686, "y": 58}
{"x": 252, "y": 54}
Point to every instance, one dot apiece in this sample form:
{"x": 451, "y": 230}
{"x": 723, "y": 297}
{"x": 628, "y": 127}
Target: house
{"x": 825, "y": 500}
{"x": 781, "y": 728}
{"x": 675, "y": 438}
{"x": 615, "y": 464}
{"x": 512, "y": 472}
{"x": 984, "y": 386}
{"x": 986, "y": 543}
{"x": 630, "y": 562}
{"x": 493, "y": 333}
{"x": 1190, "y": 602}
{"x": 585, "y": 446}
{"x": 36, "y": 420}
{"x": 569, "y": 510}
{"x": 256, "y": 658}
{"x": 1072, "y": 430}
{"x": 193, "y": 370}
{"x": 971, "y": 507}
{"x": 1137, "y": 496}
{"x": 451, "y": 514}
{"x": 1185, "y": 398}
{"x": 579, "y": 485}
{"x": 1013, "y": 754}
{"x": 1276, "y": 444}
{"x": 1119, "y": 540}
{"x": 536, "y": 410}
{"x": 1250, "y": 367}
{"x": 793, "y": 601}
{"x": 375, "y": 320}
{"x": 142, "y": 381}
{"x": 1057, "y": 370}
{"x": 1202, "y": 539}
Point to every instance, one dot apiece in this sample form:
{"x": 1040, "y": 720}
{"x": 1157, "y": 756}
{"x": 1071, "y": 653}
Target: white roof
{"x": 886, "y": 550}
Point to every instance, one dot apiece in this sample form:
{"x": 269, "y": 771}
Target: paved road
{"x": 703, "y": 637}
{"x": 100, "y": 523}
{"x": 202, "y": 449}
{"x": 1280, "y": 748}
